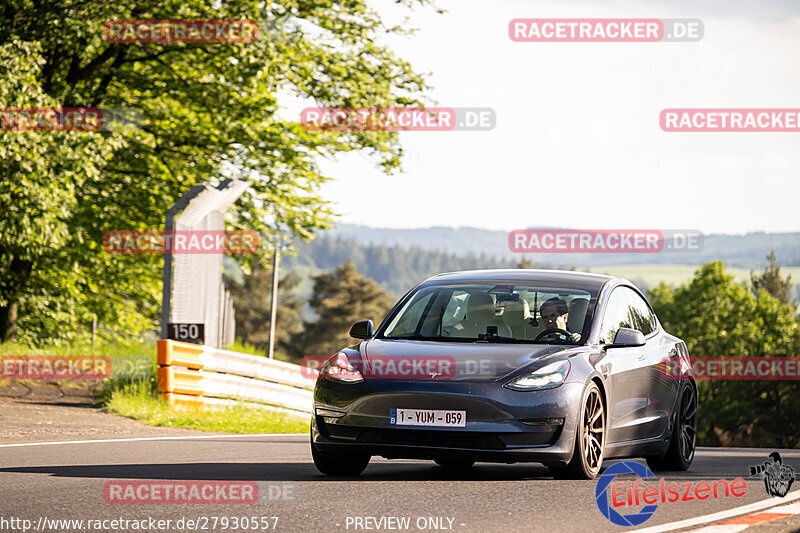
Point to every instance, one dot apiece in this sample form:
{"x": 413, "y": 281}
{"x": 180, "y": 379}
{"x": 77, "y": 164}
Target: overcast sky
{"x": 577, "y": 142}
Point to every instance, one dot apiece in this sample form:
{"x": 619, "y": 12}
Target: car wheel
{"x": 454, "y": 462}
{"x": 339, "y": 464}
{"x": 680, "y": 454}
{"x": 590, "y": 440}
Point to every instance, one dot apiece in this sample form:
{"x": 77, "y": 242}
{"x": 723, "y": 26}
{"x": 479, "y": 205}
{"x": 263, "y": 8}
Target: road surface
{"x": 66, "y": 481}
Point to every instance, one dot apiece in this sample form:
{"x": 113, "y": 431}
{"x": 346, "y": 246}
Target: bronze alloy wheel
{"x": 587, "y": 458}
{"x": 593, "y": 430}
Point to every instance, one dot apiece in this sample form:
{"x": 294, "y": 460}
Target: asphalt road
{"x": 66, "y": 482}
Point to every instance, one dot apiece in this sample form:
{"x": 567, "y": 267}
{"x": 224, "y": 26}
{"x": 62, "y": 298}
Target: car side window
{"x": 643, "y": 318}
{"x": 617, "y": 315}
{"x": 407, "y": 321}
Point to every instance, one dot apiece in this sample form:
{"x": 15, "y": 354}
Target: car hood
{"x": 451, "y": 361}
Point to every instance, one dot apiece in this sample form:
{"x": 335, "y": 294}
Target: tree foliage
{"x": 524, "y": 262}
{"x": 340, "y": 299}
{"x": 771, "y": 280}
{"x": 718, "y": 317}
{"x": 205, "y": 111}
{"x": 253, "y": 303}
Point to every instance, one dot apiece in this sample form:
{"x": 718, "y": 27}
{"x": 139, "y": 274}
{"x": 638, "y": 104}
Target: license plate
{"x": 427, "y": 417}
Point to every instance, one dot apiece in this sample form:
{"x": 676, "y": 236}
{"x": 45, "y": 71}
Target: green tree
{"x": 47, "y": 285}
{"x": 717, "y": 317}
{"x": 206, "y": 110}
{"x": 252, "y": 302}
{"x": 524, "y": 262}
{"x": 340, "y": 299}
{"x": 771, "y": 280}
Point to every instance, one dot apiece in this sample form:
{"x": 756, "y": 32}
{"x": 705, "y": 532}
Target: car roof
{"x": 582, "y": 279}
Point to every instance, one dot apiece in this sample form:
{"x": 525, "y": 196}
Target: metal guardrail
{"x": 191, "y": 375}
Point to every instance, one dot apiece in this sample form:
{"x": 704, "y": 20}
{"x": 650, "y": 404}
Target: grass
{"x": 136, "y": 400}
{"x": 111, "y": 349}
{"x": 129, "y": 360}
{"x": 130, "y": 391}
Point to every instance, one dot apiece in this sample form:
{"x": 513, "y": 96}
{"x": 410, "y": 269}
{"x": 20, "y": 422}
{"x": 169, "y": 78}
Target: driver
{"x": 554, "y": 313}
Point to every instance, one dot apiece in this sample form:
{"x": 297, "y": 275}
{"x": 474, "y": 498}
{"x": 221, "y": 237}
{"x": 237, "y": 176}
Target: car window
{"x": 617, "y": 315}
{"x": 643, "y": 318}
{"x": 494, "y": 312}
{"x": 406, "y": 322}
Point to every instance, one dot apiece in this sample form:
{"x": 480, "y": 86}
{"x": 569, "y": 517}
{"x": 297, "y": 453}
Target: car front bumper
{"x": 502, "y": 425}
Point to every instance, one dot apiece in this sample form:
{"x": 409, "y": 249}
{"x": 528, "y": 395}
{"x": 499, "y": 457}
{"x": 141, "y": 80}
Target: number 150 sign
{"x": 193, "y": 333}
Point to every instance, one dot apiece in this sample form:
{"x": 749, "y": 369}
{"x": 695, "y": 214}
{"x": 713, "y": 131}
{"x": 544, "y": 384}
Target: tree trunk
{"x": 8, "y": 323}
{"x": 11, "y": 288}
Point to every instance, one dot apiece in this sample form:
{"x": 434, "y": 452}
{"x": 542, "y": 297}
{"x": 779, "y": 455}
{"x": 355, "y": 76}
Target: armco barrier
{"x": 190, "y": 375}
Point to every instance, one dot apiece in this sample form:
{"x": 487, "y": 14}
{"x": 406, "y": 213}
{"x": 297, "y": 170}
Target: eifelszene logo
{"x": 607, "y": 508}
{"x": 612, "y": 496}
{"x": 778, "y": 477}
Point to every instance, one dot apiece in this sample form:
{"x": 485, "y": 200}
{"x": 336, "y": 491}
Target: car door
{"x": 627, "y": 373}
{"x": 663, "y": 391}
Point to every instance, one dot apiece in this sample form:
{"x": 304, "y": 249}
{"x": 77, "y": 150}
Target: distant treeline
{"x": 744, "y": 251}
{"x": 396, "y": 268}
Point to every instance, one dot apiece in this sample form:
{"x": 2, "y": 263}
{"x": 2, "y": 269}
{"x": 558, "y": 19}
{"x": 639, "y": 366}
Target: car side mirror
{"x": 627, "y": 338}
{"x": 363, "y": 330}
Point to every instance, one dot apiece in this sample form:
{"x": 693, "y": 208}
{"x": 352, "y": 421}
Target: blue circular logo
{"x": 601, "y": 495}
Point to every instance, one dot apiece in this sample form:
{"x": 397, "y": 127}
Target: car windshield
{"x": 493, "y": 313}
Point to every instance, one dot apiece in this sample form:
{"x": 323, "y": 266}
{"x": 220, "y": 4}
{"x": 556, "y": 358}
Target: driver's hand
{"x": 576, "y": 336}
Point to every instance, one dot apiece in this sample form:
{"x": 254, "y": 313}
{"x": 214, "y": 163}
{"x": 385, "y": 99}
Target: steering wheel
{"x": 550, "y": 331}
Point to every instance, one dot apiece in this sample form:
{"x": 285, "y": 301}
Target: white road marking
{"x": 786, "y": 510}
{"x": 139, "y": 439}
{"x": 722, "y": 515}
{"x": 792, "y": 508}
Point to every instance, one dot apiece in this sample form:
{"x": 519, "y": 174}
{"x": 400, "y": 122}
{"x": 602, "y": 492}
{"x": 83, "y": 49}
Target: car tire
{"x": 339, "y": 464}
{"x": 454, "y": 462}
{"x": 590, "y": 439}
{"x": 683, "y": 442}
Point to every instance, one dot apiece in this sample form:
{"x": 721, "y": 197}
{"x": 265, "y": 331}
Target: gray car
{"x": 563, "y": 368}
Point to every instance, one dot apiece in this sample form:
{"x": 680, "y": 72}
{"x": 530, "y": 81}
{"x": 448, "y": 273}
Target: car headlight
{"x": 339, "y": 368}
{"x": 547, "y": 377}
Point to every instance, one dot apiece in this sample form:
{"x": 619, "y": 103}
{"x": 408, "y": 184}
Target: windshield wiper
{"x": 418, "y": 337}
{"x": 488, "y": 340}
